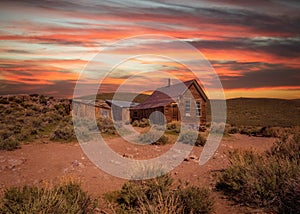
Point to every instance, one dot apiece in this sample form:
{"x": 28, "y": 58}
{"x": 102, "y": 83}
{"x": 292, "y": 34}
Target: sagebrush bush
{"x": 63, "y": 132}
{"x": 194, "y": 199}
{"x": 258, "y": 131}
{"x": 9, "y": 144}
{"x": 153, "y": 137}
{"x": 192, "y": 138}
{"x": 144, "y": 123}
{"x": 63, "y": 198}
{"x": 135, "y": 123}
{"x": 265, "y": 180}
{"x": 158, "y": 196}
{"x": 174, "y": 127}
{"x": 106, "y": 125}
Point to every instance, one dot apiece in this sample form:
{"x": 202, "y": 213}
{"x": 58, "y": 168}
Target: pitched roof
{"x": 165, "y": 95}
{"x": 121, "y": 103}
{"x": 97, "y": 103}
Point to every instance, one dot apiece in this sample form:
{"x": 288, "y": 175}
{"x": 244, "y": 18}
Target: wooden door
{"x": 175, "y": 112}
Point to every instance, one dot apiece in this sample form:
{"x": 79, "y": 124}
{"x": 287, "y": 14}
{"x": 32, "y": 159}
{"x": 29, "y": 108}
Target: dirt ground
{"x": 37, "y": 163}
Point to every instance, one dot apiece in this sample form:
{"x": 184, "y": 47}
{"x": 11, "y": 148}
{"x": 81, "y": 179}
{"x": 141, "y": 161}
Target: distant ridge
{"x": 263, "y": 112}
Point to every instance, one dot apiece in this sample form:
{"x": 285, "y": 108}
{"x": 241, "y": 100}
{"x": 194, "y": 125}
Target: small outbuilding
{"x": 86, "y": 108}
{"x": 120, "y": 109}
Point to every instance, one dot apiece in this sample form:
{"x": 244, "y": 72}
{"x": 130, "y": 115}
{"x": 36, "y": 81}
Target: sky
{"x": 254, "y": 46}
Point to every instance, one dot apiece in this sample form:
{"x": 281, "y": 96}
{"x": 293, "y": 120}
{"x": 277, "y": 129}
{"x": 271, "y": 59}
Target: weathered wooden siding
{"x": 193, "y": 95}
{"x": 145, "y": 113}
{"x": 87, "y": 111}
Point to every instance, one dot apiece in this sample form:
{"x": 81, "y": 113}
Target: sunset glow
{"x": 253, "y": 46}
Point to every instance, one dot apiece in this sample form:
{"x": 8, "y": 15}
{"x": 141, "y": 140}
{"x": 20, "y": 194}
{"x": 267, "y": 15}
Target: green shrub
{"x": 106, "y": 125}
{"x": 9, "y": 144}
{"x": 63, "y": 132}
{"x": 64, "y": 198}
{"x": 144, "y": 123}
{"x": 174, "y": 127}
{"x": 231, "y": 129}
{"x": 153, "y": 137}
{"x": 135, "y": 123}
{"x": 42, "y": 100}
{"x": 3, "y": 100}
{"x": 157, "y": 196}
{"x": 250, "y": 130}
{"x": 268, "y": 180}
{"x": 188, "y": 137}
{"x": 195, "y": 199}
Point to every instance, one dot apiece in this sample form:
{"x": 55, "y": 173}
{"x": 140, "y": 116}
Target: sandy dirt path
{"x": 37, "y": 163}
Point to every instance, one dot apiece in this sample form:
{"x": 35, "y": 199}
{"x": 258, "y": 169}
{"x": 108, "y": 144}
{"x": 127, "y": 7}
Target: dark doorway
{"x": 175, "y": 112}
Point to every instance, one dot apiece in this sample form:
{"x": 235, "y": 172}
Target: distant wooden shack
{"x": 120, "y": 109}
{"x": 86, "y": 108}
{"x": 114, "y": 109}
{"x": 181, "y": 101}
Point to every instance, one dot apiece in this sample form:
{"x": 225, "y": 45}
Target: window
{"x": 187, "y": 108}
{"x": 198, "y": 109}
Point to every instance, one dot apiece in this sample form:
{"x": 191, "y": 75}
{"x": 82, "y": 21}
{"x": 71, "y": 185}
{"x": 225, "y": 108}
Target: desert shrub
{"x": 144, "y": 123}
{"x": 291, "y": 196}
{"x": 52, "y": 117}
{"x": 15, "y": 99}
{"x": 106, "y": 125}
{"x": 153, "y": 137}
{"x": 135, "y": 123}
{"x": 35, "y": 108}
{"x": 188, "y": 137}
{"x": 157, "y": 196}
{"x": 42, "y": 100}
{"x": 174, "y": 127}
{"x": 217, "y": 127}
{"x": 36, "y": 122}
{"x": 265, "y": 131}
{"x": 63, "y": 132}
{"x": 3, "y": 100}
{"x": 8, "y": 110}
{"x": 250, "y": 130}
{"x": 29, "y": 113}
{"x": 9, "y": 144}
{"x": 279, "y": 132}
{"x": 231, "y": 129}
{"x": 63, "y": 198}
{"x": 24, "y": 134}
{"x": 287, "y": 148}
{"x": 195, "y": 199}
{"x": 63, "y": 107}
{"x": 5, "y": 133}
{"x": 265, "y": 180}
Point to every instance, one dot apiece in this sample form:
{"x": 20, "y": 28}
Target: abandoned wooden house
{"x": 178, "y": 102}
{"x": 86, "y": 108}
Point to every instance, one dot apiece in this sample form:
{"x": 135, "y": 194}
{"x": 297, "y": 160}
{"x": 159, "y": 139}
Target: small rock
{"x": 75, "y": 163}
{"x": 193, "y": 157}
{"x": 128, "y": 156}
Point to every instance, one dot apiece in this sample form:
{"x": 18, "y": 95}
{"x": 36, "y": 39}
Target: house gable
{"x": 170, "y": 100}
